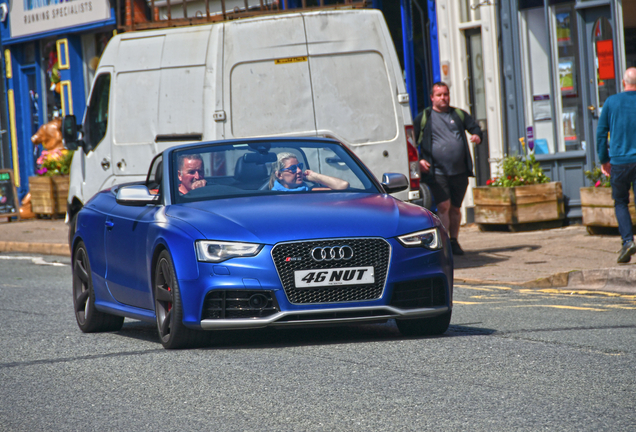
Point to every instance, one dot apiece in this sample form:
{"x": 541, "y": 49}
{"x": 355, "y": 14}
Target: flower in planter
{"x": 519, "y": 171}
{"x": 54, "y": 162}
{"x": 596, "y": 176}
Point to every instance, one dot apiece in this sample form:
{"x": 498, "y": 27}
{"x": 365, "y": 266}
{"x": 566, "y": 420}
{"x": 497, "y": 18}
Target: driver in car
{"x": 190, "y": 173}
{"x": 288, "y": 176}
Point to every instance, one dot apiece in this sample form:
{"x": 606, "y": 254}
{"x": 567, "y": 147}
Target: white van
{"x": 327, "y": 73}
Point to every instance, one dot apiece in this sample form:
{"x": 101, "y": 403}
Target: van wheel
{"x": 427, "y": 196}
{"x": 425, "y": 326}
{"x": 72, "y": 227}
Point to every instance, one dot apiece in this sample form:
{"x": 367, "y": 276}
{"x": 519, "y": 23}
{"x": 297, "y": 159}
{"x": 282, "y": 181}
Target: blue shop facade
{"x": 50, "y": 51}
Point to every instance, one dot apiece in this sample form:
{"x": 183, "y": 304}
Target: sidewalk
{"x": 555, "y": 258}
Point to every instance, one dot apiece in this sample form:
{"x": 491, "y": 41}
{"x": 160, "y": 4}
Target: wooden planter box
{"x": 597, "y": 207}
{"x": 48, "y": 194}
{"x": 518, "y": 205}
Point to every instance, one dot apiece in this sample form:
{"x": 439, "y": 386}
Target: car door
{"x": 126, "y": 246}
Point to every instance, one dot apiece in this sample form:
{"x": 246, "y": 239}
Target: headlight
{"x": 217, "y": 251}
{"x": 430, "y": 239}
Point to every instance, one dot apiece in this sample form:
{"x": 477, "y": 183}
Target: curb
{"x": 616, "y": 280}
{"x": 39, "y": 248}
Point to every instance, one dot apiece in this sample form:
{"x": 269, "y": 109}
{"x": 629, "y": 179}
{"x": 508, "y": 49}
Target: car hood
{"x": 275, "y": 218}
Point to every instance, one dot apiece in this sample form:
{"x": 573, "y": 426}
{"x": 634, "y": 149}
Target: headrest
{"x": 249, "y": 172}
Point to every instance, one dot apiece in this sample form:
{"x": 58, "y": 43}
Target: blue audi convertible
{"x": 245, "y": 234}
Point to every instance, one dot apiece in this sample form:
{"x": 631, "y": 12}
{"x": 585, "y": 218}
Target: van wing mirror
{"x": 70, "y": 131}
{"x": 394, "y": 182}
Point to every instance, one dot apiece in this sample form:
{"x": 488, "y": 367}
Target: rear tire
{"x": 425, "y": 326}
{"x": 89, "y": 319}
{"x": 169, "y": 309}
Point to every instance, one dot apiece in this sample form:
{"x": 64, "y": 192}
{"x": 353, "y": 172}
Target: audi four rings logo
{"x": 332, "y": 253}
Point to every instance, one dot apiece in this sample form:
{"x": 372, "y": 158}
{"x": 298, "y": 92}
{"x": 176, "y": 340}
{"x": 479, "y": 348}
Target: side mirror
{"x": 70, "y": 132}
{"x": 393, "y": 182}
{"x": 136, "y": 195}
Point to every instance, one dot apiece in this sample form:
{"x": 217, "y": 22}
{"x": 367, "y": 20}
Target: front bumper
{"x": 323, "y": 317}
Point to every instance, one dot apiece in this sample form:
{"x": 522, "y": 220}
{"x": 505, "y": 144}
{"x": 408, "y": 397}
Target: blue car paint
{"x": 269, "y": 220}
{"x": 300, "y": 217}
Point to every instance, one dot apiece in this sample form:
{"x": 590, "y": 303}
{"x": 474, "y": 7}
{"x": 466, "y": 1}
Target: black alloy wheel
{"x": 425, "y": 326}
{"x": 169, "y": 310}
{"x": 88, "y": 318}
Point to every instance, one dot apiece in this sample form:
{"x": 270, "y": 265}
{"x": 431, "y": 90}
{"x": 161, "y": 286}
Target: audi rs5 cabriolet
{"x": 246, "y": 234}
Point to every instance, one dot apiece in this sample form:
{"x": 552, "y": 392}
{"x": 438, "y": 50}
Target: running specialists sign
{"x": 28, "y": 17}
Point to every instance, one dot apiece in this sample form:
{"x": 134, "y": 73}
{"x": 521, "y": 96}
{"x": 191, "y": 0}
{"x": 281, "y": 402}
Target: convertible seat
{"x": 250, "y": 176}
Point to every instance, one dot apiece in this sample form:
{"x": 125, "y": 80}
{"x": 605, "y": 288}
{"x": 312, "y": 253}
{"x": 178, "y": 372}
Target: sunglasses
{"x": 293, "y": 168}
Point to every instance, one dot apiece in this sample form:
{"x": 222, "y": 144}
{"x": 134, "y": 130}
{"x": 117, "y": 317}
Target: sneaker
{"x": 626, "y": 252}
{"x": 457, "y": 250}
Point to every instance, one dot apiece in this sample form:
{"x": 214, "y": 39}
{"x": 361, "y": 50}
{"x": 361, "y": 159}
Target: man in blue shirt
{"x": 618, "y": 155}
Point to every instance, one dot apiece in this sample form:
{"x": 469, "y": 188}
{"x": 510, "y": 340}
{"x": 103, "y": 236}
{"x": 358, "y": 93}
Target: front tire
{"x": 425, "y": 326}
{"x": 89, "y": 319}
{"x": 169, "y": 309}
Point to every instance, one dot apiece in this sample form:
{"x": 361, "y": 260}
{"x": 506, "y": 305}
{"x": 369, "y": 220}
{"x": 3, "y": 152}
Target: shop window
{"x": 603, "y": 46}
{"x": 554, "y": 103}
{"x": 535, "y": 43}
{"x": 53, "y": 88}
{"x": 93, "y": 46}
{"x": 569, "y": 100}
{"x": 97, "y": 111}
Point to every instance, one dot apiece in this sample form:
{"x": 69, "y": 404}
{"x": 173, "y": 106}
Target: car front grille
{"x": 233, "y": 304}
{"x": 421, "y": 293}
{"x": 294, "y": 256}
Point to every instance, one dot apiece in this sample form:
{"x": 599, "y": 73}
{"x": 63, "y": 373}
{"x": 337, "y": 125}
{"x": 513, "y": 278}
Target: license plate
{"x": 332, "y": 277}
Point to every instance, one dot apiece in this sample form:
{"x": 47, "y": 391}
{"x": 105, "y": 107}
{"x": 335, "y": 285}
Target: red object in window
{"x": 605, "y": 54}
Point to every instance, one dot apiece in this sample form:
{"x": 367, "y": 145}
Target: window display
{"x": 566, "y": 43}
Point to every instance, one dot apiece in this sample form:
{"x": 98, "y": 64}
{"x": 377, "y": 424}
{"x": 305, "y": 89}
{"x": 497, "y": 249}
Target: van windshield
{"x": 264, "y": 168}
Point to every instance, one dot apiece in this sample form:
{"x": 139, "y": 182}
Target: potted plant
{"x": 49, "y": 188}
{"x": 522, "y": 194}
{"x": 597, "y": 204}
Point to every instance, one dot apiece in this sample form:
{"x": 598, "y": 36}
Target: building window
{"x": 469, "y": 10}
{"x": 554, "y": 103}
{"x": 535, "y": 43}
{"x": 51, "y": 66}
{"x": 569, "y": 101}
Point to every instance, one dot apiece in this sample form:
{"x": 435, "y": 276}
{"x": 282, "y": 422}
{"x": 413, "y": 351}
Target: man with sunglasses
{"x": 289, "y": 176}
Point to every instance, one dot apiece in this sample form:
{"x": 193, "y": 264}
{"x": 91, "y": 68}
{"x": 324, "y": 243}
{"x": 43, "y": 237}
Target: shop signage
{"x": 28, "y": 17}
{"x": 8, "y": 197}
{"x": 605, "y": 54}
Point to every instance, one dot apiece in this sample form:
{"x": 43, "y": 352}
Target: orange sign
{"x": 605, "y": 54}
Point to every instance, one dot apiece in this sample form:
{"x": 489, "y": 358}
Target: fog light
{"x": 258, "y": 301}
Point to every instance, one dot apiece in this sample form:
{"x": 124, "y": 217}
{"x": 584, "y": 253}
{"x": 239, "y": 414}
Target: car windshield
{"x": 264, "y": 168}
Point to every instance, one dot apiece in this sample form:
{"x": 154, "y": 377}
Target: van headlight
{"x": 217, "y": 251}
{"x": 430, "y": 239}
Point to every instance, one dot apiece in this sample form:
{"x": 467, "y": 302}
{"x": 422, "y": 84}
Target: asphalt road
{"x": 512, "y": 360}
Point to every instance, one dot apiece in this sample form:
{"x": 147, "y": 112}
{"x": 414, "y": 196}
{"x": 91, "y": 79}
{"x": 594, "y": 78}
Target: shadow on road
{"x": 296, "y": 337}
{"x": 489, "y": 256}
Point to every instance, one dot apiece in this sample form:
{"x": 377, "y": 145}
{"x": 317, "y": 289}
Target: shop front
{"x": 561, "y": 61}
{"x": 51, "y": 50}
